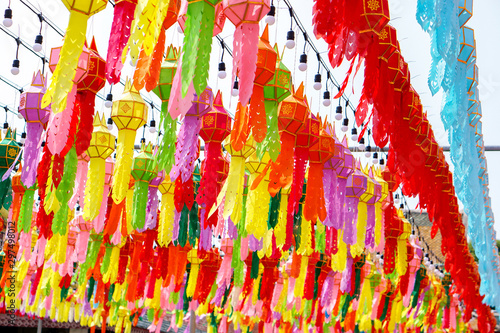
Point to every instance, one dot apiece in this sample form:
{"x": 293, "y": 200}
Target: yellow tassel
{"x": 166, "y": 223}
{"x": 378, "y": 222}
{"x": 123, "y": 165}
{"x": 234, "y": 197}
{"x": 62, "y": 244}
{"x": 62, "y": 78}
{"x": 340, "y": 258}
{"x": 94, "y": 188}
{"x": 257, "y": 207}
{"x": 298, "y": 290}
{"x": 280, "y": 229}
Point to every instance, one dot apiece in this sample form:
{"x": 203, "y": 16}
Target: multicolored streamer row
{"x": 283, "y": 229}
{"x": 454, "y": 69}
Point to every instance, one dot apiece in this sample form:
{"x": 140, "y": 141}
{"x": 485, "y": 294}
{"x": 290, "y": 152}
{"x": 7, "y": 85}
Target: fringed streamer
{"x": 34, "y": 131}
{"x": 271, "y": 144}
{"x": 257, "y": 208}
{"x": 155, "y": 26}
{"x": 234, "y": 185}
{"x": 60, "y": 85}
{"x": 314, "y": 205}
{"x": 329, "y": 189}
{"x": 241, "y": 127}
{"x": 85, "y": 127}
{"x": 120, "y": 32}
{"x": 94, "y": 188}
{"x": 245, "y": 47}
{"x": 282, "y": 170}
{"x": 340, "y": 192}
{"x": 139, "y": 205}
{"x": 358, "y": 247}
{"x": 178, "y": 105}
{"x": 258, "y": 114}
{"x": 165, "y": 226}
{"x": 370, "y": 227}
{"x": 152, "y": 208}
{"x": 166, "y": 154}
{"x": 61, "y": 124}
{"x": 81, "y": 179}
{"x": 207, "y": 192}
{"x": 351, "y": 213}
{"x": 123, "y": 166}
{"x": 187, "y": 149}
{"x": 147, "y": 70}
{"x": 26, "y": 211}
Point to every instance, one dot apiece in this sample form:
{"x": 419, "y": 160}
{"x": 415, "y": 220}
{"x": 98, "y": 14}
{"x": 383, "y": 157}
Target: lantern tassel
{"x": 187, "y": 146}
{"x": 26, "y": 211}
{"x": 81, "y": 179}
{"x": 123, "y": 166}
{"x": 166, "y": 223}
{"x": 166, "y": 155}
{"x": 85, "y": 126}
{"x": 271, "y": 142}
{"x": 235, "y": 181}
{"x": 34, "y": 131}
{"x": 139, "y": 205}
{"x": 120, "y": 33}
{"x": 62, "y": 78}
{"x": 314, "y": 206}
{"x": 94, "y": 188}
{"x": 258, "y": 114}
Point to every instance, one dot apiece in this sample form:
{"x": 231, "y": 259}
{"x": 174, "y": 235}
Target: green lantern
{"x": 167, "y": 148}
{"x": 144, "y": 170}
{"x": 275, "y": 91}
{"x": 9, "y": 151}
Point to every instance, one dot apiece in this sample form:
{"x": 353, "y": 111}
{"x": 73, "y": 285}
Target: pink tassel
{"x": 246, "y": 44}
{"x": 59, "y": 125}
{"x": 178, "y": 106}
{"x": 81, "y": 180}
{"x": 34, "y": 133}
{"x": 120, "y": 33}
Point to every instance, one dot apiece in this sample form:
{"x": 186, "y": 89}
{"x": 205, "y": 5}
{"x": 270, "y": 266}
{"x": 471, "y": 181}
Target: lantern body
{"x": 166, "y": 186}
{"x": 357, "y": 184}
{"x": 292, "y": 112}
{"x": 347, "y": 166}
{"x": 388, "y": 42}
{"x": 201, "y": 104}
{"x": 245, "y": 11}
{"x": 130, "y": 111}
{"x": 338, "y": 154}
{"x": 280, "y": 85}
{"x": 94, "y": 78}
{"x": 9, "y": 149}
{"x": 266, "y": 60}
{"x": 87, "y": 7}
{"x": 102, "y": 143}
{"x": 216, "y": 124}
{"x": 144, "y": 167}
{"x": 30, "y": 102}
{"x": 309, "y": 134}
{"x": 467, "y": 44}
{"x": 323, "y": 150}
{"x": 82, "y": 67}
{"x": 17, "y": 185}
{"x": 167, "y": 73}
{"x": 375, "y": 16}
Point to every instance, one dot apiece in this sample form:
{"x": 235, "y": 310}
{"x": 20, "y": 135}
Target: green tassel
{"x": 271, "y": 143}
{"x": 200, "y": 78}
{"x": 192, "y": 28}
{"x": 64, "y": 192}
{"x": 274, "y": 210}
{"x": 254, "y": 273}
{"x": 297, "y": 227}
{"x": 151, "y": 314}
{"x": 26, "y": 211}
{"x": 166, "y": 156}
{"x": 90, "y": 290}
{"x": 106, "y": 260}
{"x": 183, "y": 226}
{"x": 111, "y": 292}
{"x": 139, "y": 204}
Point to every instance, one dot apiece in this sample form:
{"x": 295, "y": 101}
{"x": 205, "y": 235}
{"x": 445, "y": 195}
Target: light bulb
{"x": 270, "y": 17}
{"x": 396, "y": 199}
{"x": 375, "y": 158}
{"x": 7, "y": 18}
{"x": 222, "y": 71}
{"x": 109, "y": 101}
{"x": 338, "y": 113}
{"x": 15, "y": 67}
{"x": 179, "y": 29}
{"x": 345, "y": 124}
{"x": 361, "y": 144}
{"x": 152, "y": 126}
{"x": 326, "y": 99}
{"x": 290, "y": 39}
{"x": 20, "y": 116}
{"x": 368, "y": 150}
{"x": 236, "y": 90}
{"x": 37, "y": 47}
{"x": 303, "y": 62}
{"x": 354, "y": 134}
{"x": 110, "y": 124}
{"x": 317, "y": 82}
{"x": 23, "y": 138}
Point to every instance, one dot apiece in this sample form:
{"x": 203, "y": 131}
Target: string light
{"x": 290, "y": 36}
{"x": 222, "y": 66}
{"x": 16, "y": 63}
{"x": 236, "y": 90}
{"x": 39, "y": 38}
{"x": 7, "y": 17}
{"x": 270, "y": 17}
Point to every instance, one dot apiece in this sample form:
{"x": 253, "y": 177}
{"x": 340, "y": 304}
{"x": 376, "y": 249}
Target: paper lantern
{"x": 467, "y": 44}
{"x": 87, "y": 88}
{"x": 245, "y": 15}
{"x": 464, "y": 12}
{"x": 166, "y": 222}
{"x": 166, "y": 155}
{"x": 200, "y": 23}
{"x": 357, "y": 185}
{"x": 36, "y": 119}
{"x": 64, "y": 74}
{"x": 319, "y": 153}
{"x": 144, "y": 170}
{"x": 388, "y": 42}
{"x": 215, "y": 127}
{"x": 9, "y": 149}
{"x": 123, "y": 15}
{"x": 236, "y": 178}
{"x": 292, "y": 114}
{"x": 374, "y": 16}
{"x": 266, "y": 65}
{"x": 128, "y": 113}
{"x": 187, "y": 139}
{"x": 276, "y": 90}
{"x": 102, "y": 145}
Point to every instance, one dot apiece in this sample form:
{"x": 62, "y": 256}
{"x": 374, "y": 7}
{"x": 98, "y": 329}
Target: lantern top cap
{"x": 147, "y": 148}
{"x": 93, "y": 45}
{"x": 172, "y": 53}
{"x": 38, "y": 79}
{"x": 299, "y": 93}
{"x": 218, "y": 99}
{"x": 265, "y": 35}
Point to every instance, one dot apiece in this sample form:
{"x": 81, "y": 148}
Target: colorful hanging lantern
{"x": 357, "y": 185}
{"x": 266, "y": 65}
{"x": 129, "y": 113}
{"x": 9, "y": 151}
{"x": 215, "y": 127}
{"x": 18, "y": 190}
{"x": 375, "y": 16}
{"x": 236, "y": 178}
{"x": 64, "y": 74}
{"x": 102, "y": 145}
{"x": 36, "y": 120}
{"x": 319, "y": 153}
{"x": 87, "y": 88}
{"x": 166, "y": 222}
{"x": 187, "y": 146}
{"x": 200, "y": 23}
{"x": 292, "y": 115}
{"x": 245, "y": 15}
{"x": 144, "y": 170}
{"x": 166, "y": 155}
{"x": 123, "y": 15}
{"x": 275, "y": 91}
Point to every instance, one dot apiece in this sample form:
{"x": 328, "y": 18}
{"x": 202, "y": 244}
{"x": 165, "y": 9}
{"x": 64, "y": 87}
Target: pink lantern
{"x": 245, "y": 15}
{"x": 36, "y": 120}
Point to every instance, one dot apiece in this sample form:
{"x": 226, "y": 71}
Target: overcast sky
{"x": 414, "y": 44}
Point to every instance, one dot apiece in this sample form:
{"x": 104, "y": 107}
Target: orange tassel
{"x": 241, "y": 129}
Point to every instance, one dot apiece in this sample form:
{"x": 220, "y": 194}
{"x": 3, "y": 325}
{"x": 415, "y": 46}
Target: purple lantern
{"x": 187, "y": 140}
{"x": 357, "y": 184}
{"x": 152, "y": 207}
{"x": 36, "y": 121}
{"x": 370, "y": 209}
